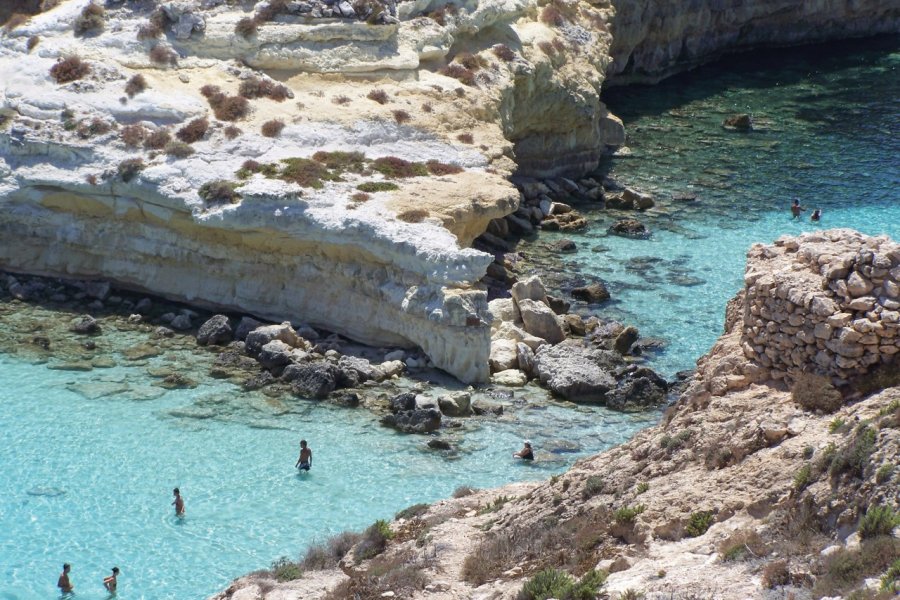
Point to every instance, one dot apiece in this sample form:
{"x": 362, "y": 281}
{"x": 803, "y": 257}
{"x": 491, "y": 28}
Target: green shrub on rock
{"x": 549, "y": 583}
{"x": 285, "y": 570}
{"x": 627, "y": 514}
{"x": 854, "y": 457}
{"x": 219, "y": 192}
{"x": 592, "y": 487}
{"x": 698, "y": 523}
{"x": 878, "y": 520}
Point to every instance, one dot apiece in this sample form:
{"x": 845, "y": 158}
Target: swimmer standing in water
{"x": 178, "y": 502}
{"x": 526, "y": 453}
{"x": 816, "y": 215}
{"x": 110, "y": 583}
{"x": 796, "y": 209}
{"x": 64, "y": 585}
{"x": 304, "y": 462}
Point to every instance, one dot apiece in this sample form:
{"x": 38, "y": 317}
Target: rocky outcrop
{"x": 653, "y": 39}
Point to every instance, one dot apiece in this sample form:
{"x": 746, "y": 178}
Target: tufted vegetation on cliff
{"x": 69, "y": 68}
{"x": 219, "y": 192}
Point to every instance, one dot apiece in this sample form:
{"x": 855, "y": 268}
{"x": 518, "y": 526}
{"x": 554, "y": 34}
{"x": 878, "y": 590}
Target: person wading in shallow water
{"x": 64, "y": 585}
{"x": 796, "y": 209}
{"x": 178, "y": 502}
{"x": 304, "y": 462}
{"x": 110, "y": 582}
{"x": 526, "y": 453}
{"x": 816, "y": 215}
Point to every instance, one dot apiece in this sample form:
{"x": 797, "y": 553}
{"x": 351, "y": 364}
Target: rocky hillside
{"x": 751, "y": 487}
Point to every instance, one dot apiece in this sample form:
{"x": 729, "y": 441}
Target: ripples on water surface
{"x": 87, "y": 477}
{"x": 829, "y": 134}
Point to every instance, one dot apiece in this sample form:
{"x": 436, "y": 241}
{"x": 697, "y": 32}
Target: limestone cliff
{"x": 737, "y": 493}
{"x": 653, "y": 39}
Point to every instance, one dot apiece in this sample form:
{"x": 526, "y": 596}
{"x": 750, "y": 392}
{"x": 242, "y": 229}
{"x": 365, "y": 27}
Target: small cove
{"x": 89, "y": 459}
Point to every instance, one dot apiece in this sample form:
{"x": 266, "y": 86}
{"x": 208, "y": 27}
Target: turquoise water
{"x": 829, "y": 134}
{"x": 88, "y": 480}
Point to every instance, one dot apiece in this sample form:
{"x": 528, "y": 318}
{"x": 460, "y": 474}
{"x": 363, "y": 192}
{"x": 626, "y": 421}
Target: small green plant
{"x": 642, "y": 487}
{"x": 630, "y": 594}
{"x": 496, "y": 505}
{"x": 219, "y": 192}
{"x": 854, "y": 458}
{"x": 836, "y": 424}
{"x": 891, "y": 408}
{"x": 878, "y": 520}
{"x": 286, "y": 570}
{"x": 890, "y": 582}
{"x": 397, "y": 168}
{"x": 377, "y": 186}
{"x": 342, "y": 162}
{"x": 374, "y": 540}
{"x": 627, "y": 514}
{"x": 588, "y": 586}
{"x": 554, "y": 479}
{"x": 411, "y": 512}
{"x": 592, "y": 487}
{"x": 803, "y": 477}
{"x": 808, "y": 452}
{"x": 698, "y": 523}
{"x": 884, "y": 473}
{"x": 306, "y": 172}
{"x": 549, "y": 583}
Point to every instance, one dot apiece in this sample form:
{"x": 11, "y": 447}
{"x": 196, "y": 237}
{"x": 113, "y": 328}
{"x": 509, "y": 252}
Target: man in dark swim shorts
{"x": 305, "y": 461}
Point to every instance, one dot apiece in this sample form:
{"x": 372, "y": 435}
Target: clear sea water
{"x": 88, "y": 460}
{"x": 828, "y": 121}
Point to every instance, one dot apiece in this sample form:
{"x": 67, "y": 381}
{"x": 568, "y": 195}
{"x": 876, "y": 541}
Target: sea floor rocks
{"x": 576, "y": 371}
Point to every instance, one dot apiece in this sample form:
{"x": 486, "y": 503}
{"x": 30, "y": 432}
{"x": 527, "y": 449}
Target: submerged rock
{"x": 740, "y": 122}
{"x": 414, "y": 421}
{"x": 85, "y": 325}
{"x": 593, "y": 293}
{"x": 630, "y": 228}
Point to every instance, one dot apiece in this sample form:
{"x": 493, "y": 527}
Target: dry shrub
{"x": 439, "y": 15}
{"x": 91, "y": 179}
{"x": 96, "y": 126}
{"x": 127, "y": 169}
{"x": 360, "y": 197}
{"x": 401, "y": 116}
{"x": 70, "y": 68}
{"x": 246, "y": 27}
{"x": 391, "y": 166}
{"x": 135, "y": 85}
{"x": 149, "y": 31}
{"x": 741, "y": 545}
{"x": 133, "y": 135}
{"x": 340, "y": 100}
{"x": 218, "y": 192}
{"x": 49, "y": 5}
{"x": 551, "y": 16}
{"x": 157, "y": 140}
{"x": 257, "y": 87}
{"x": 460, "y": 92}
{"x": 846, "y": 569}
{"x": 232, "y": 132}
{"x": 328, "y": 555}
{"x": 33, "y": 41}
{"x": 90, "y": 19}
{"x": 427, "y": 107}
{"x": 305, "y": 172}
{"x": 439, "y": 168}
{"x": 473, "y": 62}
{"x": 230, "y": 108}
{"x": 272, "y": 10}
{"x": 193, "y": 131}
{"x": 342, "y": 162}
{"x": 547, "y": 48}
{"x": 558, "y": 45}
{"x": 160, "y": 19}
{"x": 413, "y": 215}
{"x": 178, "y": 150}
{"x": 272, "y": 128}
{"x": 459, "y": 72}
{"x": 776, "y": 574}
{"x": 463, "y": 491}
{"x": 163, "y": 55}
{"x": 15, "y": 20}
{"x": 378, "y": 95}
{"x": 466, "y": 138}
{"x": 209, "y": 90}
{"x": 503, "y": 52}
{"x": 815, "y": 392}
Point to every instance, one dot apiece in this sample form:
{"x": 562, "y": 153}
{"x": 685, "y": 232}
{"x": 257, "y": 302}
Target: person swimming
{"x": 526, "y": 453}
{"x": 178, "y": 502}
{"x": 304, "y": 462}
{"x": 816, "y": 215}
{"x": 64, "y": 585}
{"x": 796, "y": 209}
{"x": 110, "y": 583}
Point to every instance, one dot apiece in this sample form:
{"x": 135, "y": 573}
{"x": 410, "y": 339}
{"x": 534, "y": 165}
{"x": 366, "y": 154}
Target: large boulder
{"x": 593, "y": 293}
{"x": 502, "y": 310}
{"x": 576, "y": 371}
{"x": 640, "y": 389}
{"x": 503, "y": 355}
{"x": 540, "y": 321}
{"x": 509, "y": 378}
{"x": 387, "y": 369}
{"x": 354, "y": 371}
{"x": 314, "y": 380}
{"x": 525, "y": 358}
{"x": 414, "y": 421}
{"x": 509, "y": 331}
{"x": 456, "y": 404}
{"x": 626, "y": 339}
{"x": 274, "y": 355}
{"x": 402, "y": 402}
{"x": 261, "y": 336}
{"x": 215, "y": 331}
{"x": 529, "y": 289}
{"x": 85, "y": 325}
{"x": 181, "y": 322}
{"x": 246, "y": 325}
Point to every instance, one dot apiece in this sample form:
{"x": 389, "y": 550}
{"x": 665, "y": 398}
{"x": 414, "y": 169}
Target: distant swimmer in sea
{"x": 178, "y": 502}
{"x": 526, "y": 453}
{"x": 110, "y": 582}
{"x": 816, "y": 215}
{"x": 304, "y": 462}
{"x": 796, "y": 209}
{"x": 64, "y": 585}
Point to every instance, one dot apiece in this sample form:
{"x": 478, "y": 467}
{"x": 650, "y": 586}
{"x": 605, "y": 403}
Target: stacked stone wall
{"x": 825, "y": 302}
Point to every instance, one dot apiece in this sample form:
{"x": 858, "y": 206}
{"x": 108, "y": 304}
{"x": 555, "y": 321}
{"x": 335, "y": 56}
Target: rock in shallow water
{"x": 576, "y": 371}
{"x": 215, "y": 331}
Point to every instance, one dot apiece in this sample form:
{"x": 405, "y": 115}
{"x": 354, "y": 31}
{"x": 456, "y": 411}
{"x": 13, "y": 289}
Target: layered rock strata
{"x": 653, "y": 39}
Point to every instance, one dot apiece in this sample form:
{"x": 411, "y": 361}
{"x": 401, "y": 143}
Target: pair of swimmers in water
{"x": 796, "y": 209}
{"x": 64, "y": 584}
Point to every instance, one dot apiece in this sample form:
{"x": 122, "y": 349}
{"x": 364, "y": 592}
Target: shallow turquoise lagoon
{"x": 89, "y": 481}
{"x": 828, "y": 133}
